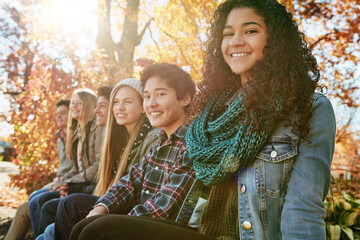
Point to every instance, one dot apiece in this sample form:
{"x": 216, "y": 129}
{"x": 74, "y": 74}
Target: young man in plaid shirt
{"x": 157, "y": 186}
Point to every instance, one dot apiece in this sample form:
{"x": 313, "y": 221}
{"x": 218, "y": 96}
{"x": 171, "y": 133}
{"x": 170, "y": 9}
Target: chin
{"x": 155, "y": 124}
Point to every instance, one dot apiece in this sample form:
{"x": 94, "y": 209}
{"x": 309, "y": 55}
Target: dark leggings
{"x": 107, "y": 227}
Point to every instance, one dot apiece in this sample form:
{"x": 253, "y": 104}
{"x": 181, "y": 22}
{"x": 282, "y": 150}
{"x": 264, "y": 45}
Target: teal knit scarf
{"x": 222, "y": 140}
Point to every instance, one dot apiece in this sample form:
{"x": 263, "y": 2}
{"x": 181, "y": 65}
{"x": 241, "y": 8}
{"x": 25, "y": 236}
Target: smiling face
{"x": 127, "y": 107}
{"x": 244, "y": 39}
{"x": 76, "y": 107}
{"x": 62, "y": 113}
{"x": 101, "y": 111}
{"x": 162, "y": 107}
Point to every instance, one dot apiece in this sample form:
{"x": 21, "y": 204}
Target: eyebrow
{"x": 131, "y": 98}
{"x": 157, "y": 89}
{"x": 245, "y": 24}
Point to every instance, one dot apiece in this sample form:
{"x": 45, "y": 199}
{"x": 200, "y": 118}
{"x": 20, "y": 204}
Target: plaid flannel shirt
{"x": 158, "y": 184}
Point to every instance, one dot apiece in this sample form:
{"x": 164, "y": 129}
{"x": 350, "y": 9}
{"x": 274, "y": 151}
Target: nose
{"x": 96, "y": 110}
{"x": 119, "y": 106}
{"x": 237, "y": 40}
{"x": 151, "y": 101}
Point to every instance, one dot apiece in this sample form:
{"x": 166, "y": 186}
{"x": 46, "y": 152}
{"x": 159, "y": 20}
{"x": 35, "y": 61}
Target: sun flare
{"x": 73, "y": 19}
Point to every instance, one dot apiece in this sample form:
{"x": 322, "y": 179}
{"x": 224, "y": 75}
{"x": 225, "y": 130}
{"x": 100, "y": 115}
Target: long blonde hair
{"x": 116, "y": 138}
{"x": 88, "y": 98}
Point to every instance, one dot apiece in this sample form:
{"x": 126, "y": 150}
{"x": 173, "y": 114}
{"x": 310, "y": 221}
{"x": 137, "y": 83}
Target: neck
{"x": 130, "y": 128}
{"x": 174, "y": 126}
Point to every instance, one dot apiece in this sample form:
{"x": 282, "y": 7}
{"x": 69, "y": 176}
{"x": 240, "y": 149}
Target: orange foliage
{"x": 34, "y": 136}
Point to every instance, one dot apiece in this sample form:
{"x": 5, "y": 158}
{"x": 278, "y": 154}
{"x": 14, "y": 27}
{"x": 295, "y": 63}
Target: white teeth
{"x": 155, "y": 113}
{"x": 239, "y": 54}
{"x": 120, "y": 115}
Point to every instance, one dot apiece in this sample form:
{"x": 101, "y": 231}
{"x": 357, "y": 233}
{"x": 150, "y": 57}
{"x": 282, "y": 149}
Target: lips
{"x": 120, "y": 115}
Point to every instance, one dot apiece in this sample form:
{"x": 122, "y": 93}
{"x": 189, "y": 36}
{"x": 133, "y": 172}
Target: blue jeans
{"x": 36, "y": 200}
{"x": 71, "y": 210}
{"x": 47, "y": 213}
{"x": 48, "y": 233}
{"x": 36, "y": 193}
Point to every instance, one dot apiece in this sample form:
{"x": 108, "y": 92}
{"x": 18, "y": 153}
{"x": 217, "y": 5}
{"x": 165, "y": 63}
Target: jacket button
{"x": 147, "y": 192}
{"x": 243, "y": 189}
{"x": 273, "y": 154}
{"x": 247, "y": 225}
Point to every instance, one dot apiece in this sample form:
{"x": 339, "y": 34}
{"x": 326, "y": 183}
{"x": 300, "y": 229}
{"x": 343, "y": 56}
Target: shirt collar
{"x": 179, "y": 133}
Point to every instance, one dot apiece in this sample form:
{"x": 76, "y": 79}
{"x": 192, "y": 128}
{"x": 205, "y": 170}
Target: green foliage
{"x": 342, "y": 217}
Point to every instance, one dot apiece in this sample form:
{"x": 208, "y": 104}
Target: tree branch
{"x": 156, "y": 43}
{"x": 180, "y": 48}
{"x": 311, "y": 47}
{"x": 140, "y": 36}
{"x": 343, "y": 131}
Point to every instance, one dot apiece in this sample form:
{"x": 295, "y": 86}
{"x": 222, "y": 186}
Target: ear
{"x": 186, "y": 100}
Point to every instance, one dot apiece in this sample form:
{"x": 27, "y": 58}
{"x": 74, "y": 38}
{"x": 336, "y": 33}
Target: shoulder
{"x": 153, "y": 134}
{"x": 320, "y": 99}
{"x": 150, "y": 140}
{"x": 322, "y": 107}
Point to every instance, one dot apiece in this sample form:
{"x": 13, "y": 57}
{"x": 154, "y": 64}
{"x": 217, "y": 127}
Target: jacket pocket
{"x": 273, "y": 166}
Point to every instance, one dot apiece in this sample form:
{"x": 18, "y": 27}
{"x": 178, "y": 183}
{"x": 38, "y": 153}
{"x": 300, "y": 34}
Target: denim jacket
{"x": 281, "y": 195}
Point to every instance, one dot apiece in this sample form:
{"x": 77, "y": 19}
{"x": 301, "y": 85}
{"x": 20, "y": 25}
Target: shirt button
{"x": 156, "y": 168}
{"x": 246, "y": 225}
{"x": 147, "y": 192}
{"x": 273, "y": 154}
{"x": 243, "y": 189}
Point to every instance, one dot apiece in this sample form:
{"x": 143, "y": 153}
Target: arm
{"x": 122, "y": 194}
{"x": 303, "y": 211}
{"x": 167, "y": 201}
{"x": 65, "y": 164}
{"x": 89, "y": 173}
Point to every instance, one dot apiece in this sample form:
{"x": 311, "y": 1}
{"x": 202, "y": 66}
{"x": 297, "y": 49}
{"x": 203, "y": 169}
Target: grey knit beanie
{"x": 130, "y": 82}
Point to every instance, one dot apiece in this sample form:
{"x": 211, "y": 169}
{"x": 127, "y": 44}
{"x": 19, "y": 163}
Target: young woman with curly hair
{"x": 263, "y": 140}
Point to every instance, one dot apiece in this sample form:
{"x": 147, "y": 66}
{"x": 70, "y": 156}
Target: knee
{"x": 33, "y": 202}
{"x": 23, "y": 209}
{"x": 70, "y": 201}
{"x": 49, "y": 208}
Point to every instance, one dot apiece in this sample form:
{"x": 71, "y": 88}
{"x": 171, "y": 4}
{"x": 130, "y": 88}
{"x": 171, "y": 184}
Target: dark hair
{"x": 64, "y": 102}
{"x": 104, "y": 91}
{"x": 174, "y": 76}
{"x": 288, "y": 69}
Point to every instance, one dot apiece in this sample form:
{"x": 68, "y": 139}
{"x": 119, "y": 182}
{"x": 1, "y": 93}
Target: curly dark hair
{"x": 288, "y": 69}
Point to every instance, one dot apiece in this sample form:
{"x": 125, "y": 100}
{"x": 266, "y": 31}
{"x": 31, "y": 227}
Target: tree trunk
{"x": 119, "y": 55}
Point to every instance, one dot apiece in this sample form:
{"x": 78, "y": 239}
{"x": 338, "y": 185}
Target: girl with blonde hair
{"x": 83, "y": 146}
{"x": 128, "y": 137}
